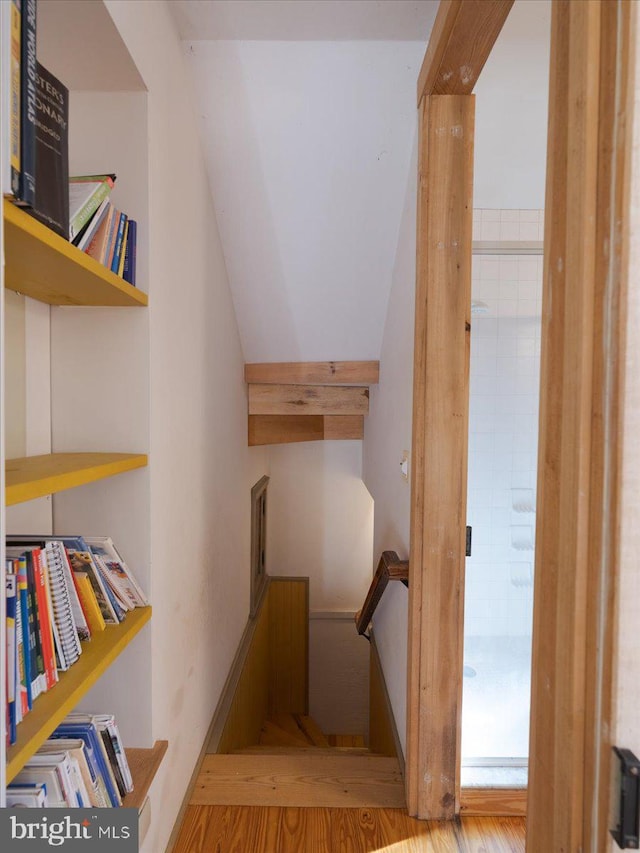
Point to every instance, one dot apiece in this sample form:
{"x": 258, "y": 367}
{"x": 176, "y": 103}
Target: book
{"x": 28, "y": 69}
{"x": 129, "y": 269}
{"x": 81, "y": 726}
{"x": 103, "y": 547}
{"x": 113, "y": 236}
{"x": 15, "y": 91}
{"x": 21, "y": 572}
{"x": 81, "y": 561}
{"x": 118, "y": 248}
{"x": 86, "y": 194}
{"x": 46, "y": 776}
{"x": 30, "y": 795}
{"x": 51, "y": 204}
{"x": 89, "y": 602}
{"x": 10, "y": 594}
{"x": 44, "y": 616}
{"x": 99, "y": 244}
{"x": 86, "y": 235}
{"x": 77, "y": 749}
{"x": 123, "y": 253}
{"x": 106, "y": 723}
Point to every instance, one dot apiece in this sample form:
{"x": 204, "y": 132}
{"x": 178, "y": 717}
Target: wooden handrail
{"x": 390, "y": 568}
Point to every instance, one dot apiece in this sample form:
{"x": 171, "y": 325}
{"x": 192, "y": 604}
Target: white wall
{"x": 320, "y": 526}
{"x": 307, "y": 146}
{"x": 511, "y": 112}
{"x": 320, "y": 521}
{"x": 387, "y": 435}
{"x": 200, "y": 468}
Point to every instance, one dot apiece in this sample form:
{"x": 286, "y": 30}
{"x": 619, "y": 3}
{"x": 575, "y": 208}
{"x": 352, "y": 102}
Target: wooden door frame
{"x": 579, "y": 458}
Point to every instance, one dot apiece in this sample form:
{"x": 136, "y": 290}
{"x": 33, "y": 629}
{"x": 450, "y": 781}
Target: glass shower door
{"x": 503, "y": 435}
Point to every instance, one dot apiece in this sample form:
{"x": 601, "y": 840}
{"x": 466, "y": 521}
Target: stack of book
{"x": 34, "y": 115}
{"x": 98, "y": 228}
{"x": 60, "y": 590}
{"x": 82, "y": 765}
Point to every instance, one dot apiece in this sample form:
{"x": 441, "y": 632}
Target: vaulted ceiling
{"x": 308, "y": 121}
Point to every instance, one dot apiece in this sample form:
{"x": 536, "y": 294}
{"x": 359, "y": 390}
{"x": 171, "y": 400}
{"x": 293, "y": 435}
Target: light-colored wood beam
{"x": 439, "y": 454}
{"x": 286, "y": 429}
{"x": 502, "y": 802}
{"x": 461, "y": 40}
{"x": 307, "y": 400}
{"x": 313, "y": 373}
{"x": 580, "y": 462}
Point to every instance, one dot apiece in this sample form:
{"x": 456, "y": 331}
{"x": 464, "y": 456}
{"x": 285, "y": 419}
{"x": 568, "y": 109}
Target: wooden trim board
{"x": 313, "y": 373}
{"x": 383, "y": 732}
{"x": 144, "y": 764}
{"x": 493, "y": 802}
{"x": 462, "y": 38}
{"x": 286, "y": 429}
{"x": 308, "y": 400}
{"x": 439, "y": 455}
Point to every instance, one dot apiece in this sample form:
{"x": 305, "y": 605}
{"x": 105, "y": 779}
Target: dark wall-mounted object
{"x": 626, "y": 798}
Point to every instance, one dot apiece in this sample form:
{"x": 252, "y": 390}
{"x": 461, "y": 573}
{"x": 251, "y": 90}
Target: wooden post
{"x": 439, "y": 454}
{"x": 579, "y": 463}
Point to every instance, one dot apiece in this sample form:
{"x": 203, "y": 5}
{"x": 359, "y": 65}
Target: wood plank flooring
{"x": 255, "y": 829}
{"x": 309, "y": 779}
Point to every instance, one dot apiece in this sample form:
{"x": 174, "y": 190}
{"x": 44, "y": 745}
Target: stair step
{"x": 312, "y": 730}
{"x": 346, "y": 740}
{"x": 272, "y": 735}
{"x": 310, "y": 779}
{"x": 289, "y": 723}
{"x": 298, "y": 750}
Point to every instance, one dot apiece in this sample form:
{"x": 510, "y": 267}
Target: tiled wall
{"x": 503, "y": 427}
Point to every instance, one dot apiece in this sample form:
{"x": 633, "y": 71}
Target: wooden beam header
{"x": 313, "y": 373}
{"x": 462, "y": 38}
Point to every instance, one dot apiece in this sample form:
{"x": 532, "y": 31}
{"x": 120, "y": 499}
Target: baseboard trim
{"x": 493, "y": 802}
{"x": 219, "y": 719}
{"x": 387, "y": 702}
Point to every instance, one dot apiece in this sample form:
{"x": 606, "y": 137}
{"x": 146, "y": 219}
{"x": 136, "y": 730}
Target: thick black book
{"x": 52, "y": 152}
{"x": 28, "y": 71}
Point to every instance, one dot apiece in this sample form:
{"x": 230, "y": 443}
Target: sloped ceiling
{"x": 308, "y": 118}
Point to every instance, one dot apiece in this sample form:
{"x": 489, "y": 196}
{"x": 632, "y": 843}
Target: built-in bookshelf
{"x": 74, "y": 456}
{"x": 51, "y": 708}
{"x": 33, "y": 477}
{"x": 41, "y": 264}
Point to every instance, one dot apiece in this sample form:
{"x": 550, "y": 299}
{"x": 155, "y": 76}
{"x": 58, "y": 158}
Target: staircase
{"x": 296, "y": 764}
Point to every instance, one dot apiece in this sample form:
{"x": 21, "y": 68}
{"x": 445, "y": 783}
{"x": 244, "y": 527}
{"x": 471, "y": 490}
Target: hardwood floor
{"x": 257, "y": 829}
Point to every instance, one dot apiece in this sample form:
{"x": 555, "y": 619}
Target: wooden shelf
{"x": 50, "y": 709}
{"x": 36, "y": 476}
{"x": 41, "y": 264}
{"x": 144, "y": 764}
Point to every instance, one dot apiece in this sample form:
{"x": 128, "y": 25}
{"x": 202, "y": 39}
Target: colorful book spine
{"x": 129, "y": 270}
{"x": 10, "y": 593}
{"x": 14, "y": 142}
{"x": 28, "y": 68}
{"x": 123, "y": 249}
{"x": 117, "y": 247}
{"x": 23, "y": 591}
{"x": 46, "y": 632}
